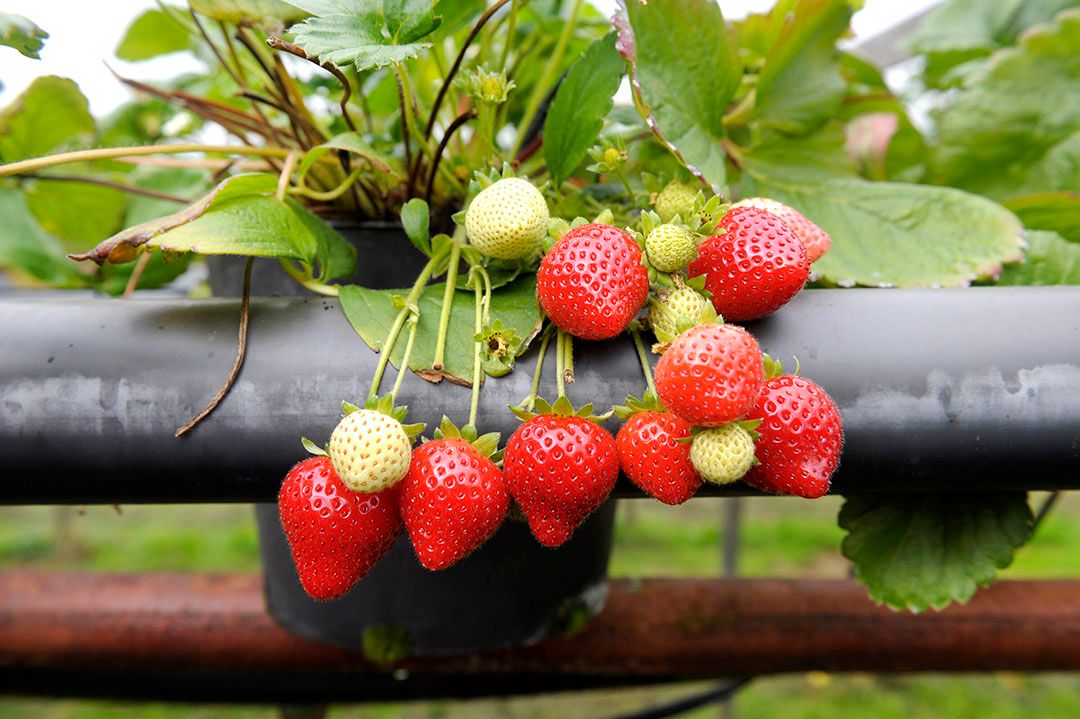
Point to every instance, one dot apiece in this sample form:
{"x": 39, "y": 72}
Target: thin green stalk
{"x": 542, "y": 87}
{"x": 530, "y": 400}
{"x": 487, "y": 294}
{"x": 447, "y": 302}
{"x": 626, "y": 183}
{"x": 413, "y": 321}
{"x": 478, "y": 326}
{"x": 644, "y": 358}
{"x": 510, "y": 31}
{"x": 114, "y": 153}
{"x": 399, "y": 321}
{"x": 568, "y": 361}
{"x": 308, "y": 281}
{"x": 329, "y": 195}
{"x": 560, "y": 358}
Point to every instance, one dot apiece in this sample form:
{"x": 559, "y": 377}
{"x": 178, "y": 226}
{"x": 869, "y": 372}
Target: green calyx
{"x": 486, "y": 444}
{"x": 313, "y": 449}
{"x": 750, "y": 425}
{"x": 561, "y": 408}
{"x": 385, "y": 405}
{"x": 557, "y": 227}
{"x": 499, "y": 347}
{"x": 649, "y": 402}
{"x": 774, "y": 368}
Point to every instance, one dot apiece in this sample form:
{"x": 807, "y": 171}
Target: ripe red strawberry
{"x": 652, "y": 458}
{"x": 592, "y": 283}
{"x": 754, "y": 267}
{"x": 711, "y": 374}
{"x": 800, "y": 438}
{"x": 559, "y": 467}
{"x": 814, "y": 239}
{"x": 336, "y": 536}
{"x": 452, "y": 501}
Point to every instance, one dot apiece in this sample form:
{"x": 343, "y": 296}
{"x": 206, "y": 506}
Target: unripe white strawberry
{"x": 508, "y": 219}
{"x": 677, "y": 198}
{"x": 370, "y": 451}
{"x": 670, "y": 247}
{"x": 685, "y": 303}
{"x": 724, "y": 454}
{"x": 814, "y": 239}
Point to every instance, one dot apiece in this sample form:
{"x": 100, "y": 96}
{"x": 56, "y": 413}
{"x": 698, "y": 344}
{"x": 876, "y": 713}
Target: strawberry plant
{"x": 757, "y": 157}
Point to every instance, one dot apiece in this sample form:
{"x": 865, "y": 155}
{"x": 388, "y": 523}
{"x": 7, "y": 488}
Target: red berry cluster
{"x": 720, "y": 410}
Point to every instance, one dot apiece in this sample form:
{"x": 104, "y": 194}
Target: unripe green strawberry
{"x": 508, "y": 219}
{"x": 670, "y": 247}
{"x": 684, "y": 303}
{"x": 724, "y": 454}
{"x": 675, "y": 199}
{"x": 370, "y": 451}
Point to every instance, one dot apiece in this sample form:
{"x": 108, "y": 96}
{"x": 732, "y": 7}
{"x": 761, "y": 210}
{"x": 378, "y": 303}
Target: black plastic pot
{"x": 511, "y": 591}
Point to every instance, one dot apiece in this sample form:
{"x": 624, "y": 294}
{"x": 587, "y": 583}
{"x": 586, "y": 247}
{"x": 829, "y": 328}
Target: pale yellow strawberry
{"x": 670, "y": 247}
{"x": 684, "y": 303}
{"x": 370, "y": 451}
{"x": 723, "y": 454}
{"x": 677, "y": 198}
{"x": 508, "y": 220}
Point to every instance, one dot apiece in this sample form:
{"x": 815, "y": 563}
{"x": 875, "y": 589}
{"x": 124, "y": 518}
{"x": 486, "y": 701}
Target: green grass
{"x": 779, "y": 537}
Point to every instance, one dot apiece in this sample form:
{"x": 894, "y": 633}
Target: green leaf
{"x": 152, "y": 34}
{"x": 371, "y": 312}
{"x": 914, "y": 552}
{"x": 334, "y": 255}
{"x": 49, "y": 114}
{"x": 959, "y": 31}
{"x": 409, "y": 20}
{"x": 22, "y": 34}
{"x": 351, "y": 142}
{"x": 1049, "y": 260}
{"x": 357, "y": 33}
{"x": 267, "y": 14}
{"x": 813, "y": 158}
{"x": 28, "y": 249}
{"x": 1053, "y": 211}
{"x": 577, "y": 113}
{"x": 240, "y": 216}
{"x": 800, "y": 86}
{"x": 891, "y": 234}
{"x": 77, "y": 213}
{"x": 1016, "y": 128}
{"x": 685, "y": 71}
{"x": 415, "y": 220}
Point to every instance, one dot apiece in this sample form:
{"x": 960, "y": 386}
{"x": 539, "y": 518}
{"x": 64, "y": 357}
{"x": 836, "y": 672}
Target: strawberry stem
{"x": 560, "y": 358}
{"x": 645, "y": 368}
{"x": 478, "y": 326}
{"x": 568, "y": 348}
{"x": 447, "y": 301}
{"x": 414, "y": 320}
{"x": 402, "y": 315}
{"x": 305, "y": 279}
{"x": 530, "y": 400}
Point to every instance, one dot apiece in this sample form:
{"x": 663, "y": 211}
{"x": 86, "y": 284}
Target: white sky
{"x": 84, "y": 34}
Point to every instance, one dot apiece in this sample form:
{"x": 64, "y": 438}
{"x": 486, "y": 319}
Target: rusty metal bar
{"x": 177, "y": 636}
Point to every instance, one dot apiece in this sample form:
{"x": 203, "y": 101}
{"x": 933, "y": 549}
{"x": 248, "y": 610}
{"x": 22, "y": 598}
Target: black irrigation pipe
{"x": 941, "y": 390}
